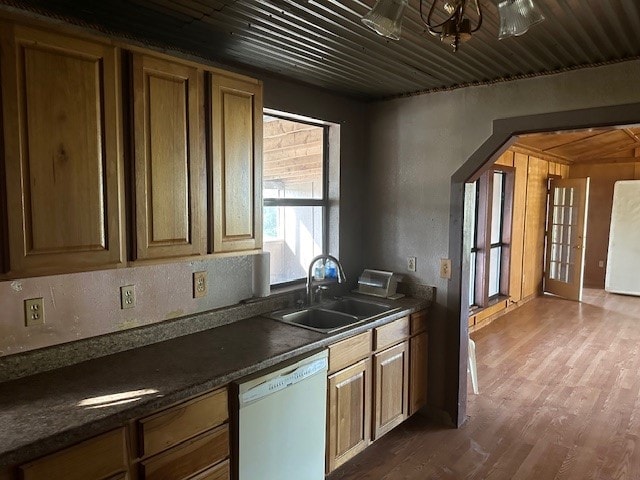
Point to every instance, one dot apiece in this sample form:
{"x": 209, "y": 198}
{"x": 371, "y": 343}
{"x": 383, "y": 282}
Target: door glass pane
{"x": 564, "y": 220}
{"x": 553, "y": 272}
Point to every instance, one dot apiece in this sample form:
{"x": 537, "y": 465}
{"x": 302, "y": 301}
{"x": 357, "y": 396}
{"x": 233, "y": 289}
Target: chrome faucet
{"x": 341, "y": 277}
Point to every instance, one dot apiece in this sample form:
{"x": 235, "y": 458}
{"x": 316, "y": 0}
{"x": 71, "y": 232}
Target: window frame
{"x": 481, "y": 236}
{"x": 305, "y": 202}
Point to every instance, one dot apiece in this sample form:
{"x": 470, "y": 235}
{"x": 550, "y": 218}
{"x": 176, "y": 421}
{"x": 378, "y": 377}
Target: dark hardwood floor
{"x": 559, "y": 399}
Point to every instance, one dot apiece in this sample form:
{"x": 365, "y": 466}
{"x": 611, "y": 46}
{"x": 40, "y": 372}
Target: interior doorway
{"x": 526, "y": 216}
{"x": 505, "y": 133}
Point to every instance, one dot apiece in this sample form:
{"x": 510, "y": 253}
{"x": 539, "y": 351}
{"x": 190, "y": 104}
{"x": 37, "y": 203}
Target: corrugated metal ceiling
{"x": 323, "y": 42}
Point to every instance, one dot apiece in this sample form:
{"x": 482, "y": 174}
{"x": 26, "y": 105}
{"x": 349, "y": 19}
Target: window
{"x": 492, "y": 196}
{"x": 295, "y": 195}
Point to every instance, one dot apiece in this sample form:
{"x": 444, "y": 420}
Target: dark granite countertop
{"x": 42, "y": 413}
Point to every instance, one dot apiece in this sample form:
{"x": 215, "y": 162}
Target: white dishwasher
{"x": 282, "y": 422}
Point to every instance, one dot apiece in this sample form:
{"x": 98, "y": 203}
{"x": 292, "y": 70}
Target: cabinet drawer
{"x": 349, "y": 351}
{"x": 418, "y": 322}
{"x": 391, "y": 333}
{"x": 184, "y": 461}
{"x": 221, "y": 471}
{"x": 96, "y": 459}
{"x": 176, "y": 424}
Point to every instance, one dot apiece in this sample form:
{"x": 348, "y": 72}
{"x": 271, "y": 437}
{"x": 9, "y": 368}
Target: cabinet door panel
{"x": 349, "y": 416}
{"x": 62, "y": 151}
{"x": 169, "y": 164}
{"x": 391, "y": 388}
{"x": 419, "y": 347}
{"x": 236, "y": 133}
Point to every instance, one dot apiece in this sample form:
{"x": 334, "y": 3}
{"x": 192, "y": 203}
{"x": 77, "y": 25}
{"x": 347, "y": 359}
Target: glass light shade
{"x": 385, "y": 18}
{"x": 517, "y": 16}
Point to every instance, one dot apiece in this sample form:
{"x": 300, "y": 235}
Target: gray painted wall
{"x": 417, "y": 143}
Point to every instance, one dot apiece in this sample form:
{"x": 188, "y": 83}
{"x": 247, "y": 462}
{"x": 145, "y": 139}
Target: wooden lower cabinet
{"x": 189, "y": 441}
{"x": 190, "y": 458}
{"x": 221, "y": 471}
{"x": 391, "y": 380}
{"x": 378, "y": 378}
{"x": 100, "y": 458}
{"x": 171, "y": 426}
{"x": 418, "y": 349}
{"x": 349, "y": 413}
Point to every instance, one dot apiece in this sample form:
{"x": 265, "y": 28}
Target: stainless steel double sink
{"x": 333, "y": 315}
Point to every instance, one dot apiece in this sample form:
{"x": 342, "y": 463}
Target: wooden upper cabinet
{"x": 62, "y": 151}
{"x": 170, "y": 180}
{"x": 236, "y": 143}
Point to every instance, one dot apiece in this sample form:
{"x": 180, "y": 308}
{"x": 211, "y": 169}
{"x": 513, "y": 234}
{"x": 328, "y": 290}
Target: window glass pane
{"x": 472, "y": 279}
{"x": 496, "y": 207}
{"x": 293, "y": 154}
{"x": 494, "y": 271}
{"x": 293, "y": 236}
{"x": 472, "y": 210}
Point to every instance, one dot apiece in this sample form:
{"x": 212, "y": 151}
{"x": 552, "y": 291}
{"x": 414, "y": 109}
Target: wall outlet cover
{"x": 33, "y": 312}
{"x": 199, "y": 284}
{"x": 127, "y": 296}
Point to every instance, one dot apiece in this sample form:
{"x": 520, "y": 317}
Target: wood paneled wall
{"x": 603, "y": 178}
{"x": 528, "y": 226}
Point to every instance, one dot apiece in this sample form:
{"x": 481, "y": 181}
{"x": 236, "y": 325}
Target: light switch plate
{"x": 445, "y": 268}
{"x": 411, "y": 264}
{"x": 33, "y": 312}
{"x": 127, "y": 296}
{"x": 199, "y": 284}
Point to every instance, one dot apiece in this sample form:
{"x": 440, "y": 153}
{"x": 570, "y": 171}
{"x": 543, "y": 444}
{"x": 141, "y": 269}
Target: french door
{"x": 567, "y": 226}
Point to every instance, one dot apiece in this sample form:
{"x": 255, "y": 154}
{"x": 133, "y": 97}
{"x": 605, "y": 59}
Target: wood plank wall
{"x": 527, "y": 235}
{"x": 603, "y": 178}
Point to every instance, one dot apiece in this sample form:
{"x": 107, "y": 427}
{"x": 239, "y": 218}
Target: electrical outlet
{"x": 601, "y": 263}
{"x": 127, "y": 296}
{"x": 445, "y": 268}
{"x": 411, "y": 264}
{"x": 199, "y": 284}
{"x": 33, "y": 312}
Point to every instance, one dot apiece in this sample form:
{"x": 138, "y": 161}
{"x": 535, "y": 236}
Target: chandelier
{"x": 458, "y": 19}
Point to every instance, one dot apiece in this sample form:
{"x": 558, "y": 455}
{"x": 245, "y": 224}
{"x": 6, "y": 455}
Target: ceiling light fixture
{"x": 385, "y": 18}
{"x": 517, "y": 16}
{"x": 454, "y": 24}
{"x": 456, "y": 28}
